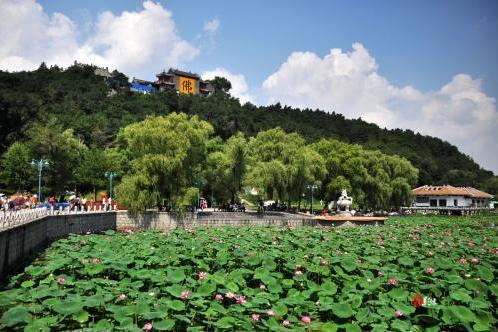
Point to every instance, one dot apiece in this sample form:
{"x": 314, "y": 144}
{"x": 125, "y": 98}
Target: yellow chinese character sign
{"x": 187, "y": 85}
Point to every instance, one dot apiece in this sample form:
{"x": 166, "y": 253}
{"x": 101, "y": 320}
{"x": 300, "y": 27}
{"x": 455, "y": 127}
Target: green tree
{"x": 221, "y": 84}
{"x": 16, "y": 172}
{"x": 166, "y": 155}
{"x": 283, "y": 165}
{"x": 226, "y": 168}
{"x": 63, "y": 149}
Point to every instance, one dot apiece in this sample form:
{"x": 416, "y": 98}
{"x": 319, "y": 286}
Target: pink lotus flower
{"x": 229, "y": 295}
{"x": 218, "y": 297}
{"x": 398, "y": 313}
{"x": 185, "y": 295}
{"x": 306, "y": 319}
{"x": 60, "y": 280}
{"x": 96, "y": 260}
{"x": 475, "y": 260}
{"x": 379, "y": 274}
{"x": 338, "y": 252}
{"x": 122, "y": 297}
{"x": 270, "y": 313}
{"x": 471, "y": 244}
{"x": 202, "y": 275}
{"x": 249, "y": 253}
{"x": 430, "y": 270}
{"x": 255, "y": 317}
{"x": 262, "y": 286}
{"x": 241, "y": 300}
{"x": 147, "y": 326}
{"x": 286, "y": 322}
{"x": 325, "y": 262}
{"x": 393, "y": 281}
{"x": 463, "y": 260}
{"x": 298, "y": 273}
{"x": 359, "y": 261}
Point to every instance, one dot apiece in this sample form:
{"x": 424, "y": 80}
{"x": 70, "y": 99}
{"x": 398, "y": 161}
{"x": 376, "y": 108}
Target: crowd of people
{"x": 60, "y": 200}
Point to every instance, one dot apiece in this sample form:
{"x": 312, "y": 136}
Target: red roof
{"x": 450, "y": 190}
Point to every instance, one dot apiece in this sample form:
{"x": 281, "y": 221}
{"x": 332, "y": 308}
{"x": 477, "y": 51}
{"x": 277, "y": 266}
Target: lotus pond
{"x": 415, "y": 273}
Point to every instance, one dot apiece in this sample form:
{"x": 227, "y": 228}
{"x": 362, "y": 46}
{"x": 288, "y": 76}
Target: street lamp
{"x": 312, "y": 187}
{"x": 39, "y": 165}
{"x": 111, "y": 176}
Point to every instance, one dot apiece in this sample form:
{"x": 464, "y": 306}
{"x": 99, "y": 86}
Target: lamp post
{"x": 39, "y": 166}
{"x": 111, "y": 176}
{"x": 312, "y": 187}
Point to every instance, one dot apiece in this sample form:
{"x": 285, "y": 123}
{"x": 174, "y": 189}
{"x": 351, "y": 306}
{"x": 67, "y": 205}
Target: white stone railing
{"x": 14, "y": 218}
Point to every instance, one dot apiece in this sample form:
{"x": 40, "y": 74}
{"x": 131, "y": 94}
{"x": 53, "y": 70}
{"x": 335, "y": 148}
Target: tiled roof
{"x": 450, "y": 190}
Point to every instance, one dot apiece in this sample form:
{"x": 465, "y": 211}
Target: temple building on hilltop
{"x": 183, "y": 82}
{"x": 449, "y": 196}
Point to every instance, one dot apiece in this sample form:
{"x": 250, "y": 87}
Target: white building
{"x": 449, "y": 196}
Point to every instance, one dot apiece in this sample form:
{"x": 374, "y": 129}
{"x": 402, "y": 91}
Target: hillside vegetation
{"x": 35, "y": 105}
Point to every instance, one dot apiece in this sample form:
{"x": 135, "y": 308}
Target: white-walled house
{"x": 449, "y": 196}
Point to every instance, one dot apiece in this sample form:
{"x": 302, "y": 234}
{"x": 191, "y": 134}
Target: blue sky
{"x": 428, "y": 66}
{"x": 420, "y": 43}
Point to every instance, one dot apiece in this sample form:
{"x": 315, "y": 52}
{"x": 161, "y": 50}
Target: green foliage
{"x": 16, "y": 171}
{"x": 283, "y": 165}
{"x": 226, "y": 167}
{"x": 166, "y": 155}
{"x": 221, "y": 84}
{"x": 155, "y": 269}
{"x": 78, "y": 99}
{"x": 63, "y": 150}
{"x": 375, "y": 179}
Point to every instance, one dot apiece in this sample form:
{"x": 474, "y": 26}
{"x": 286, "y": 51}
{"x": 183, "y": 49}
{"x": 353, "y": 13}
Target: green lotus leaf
{"x": 461, "y": 295}
{"x": 401, "y": 325}
{"x": 175, "y": 290}
{"x": 348, "y": 264}
{"x": 164, "y": 325}
{"x": 328, "y": 288}
{"x": 27, "y": 284}
{"x": 68, "y": 307}
{"x": 330, "y": 327}
{"x": 175, "y": 275}
{"x": 406, "y": 261}
{"x": 177, "y": 305}
{"x": 16, "y": 315}
{"x": 462, "y": 313}
{"x": 342, "y": 310}
{"x": 81, "y": 316}
{"x": 485, "y": 273}
{"x": 205, "y": 290}
{"x": 226, "y": 322}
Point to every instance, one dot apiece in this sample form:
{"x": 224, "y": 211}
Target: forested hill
{"x": 76, "y": 98}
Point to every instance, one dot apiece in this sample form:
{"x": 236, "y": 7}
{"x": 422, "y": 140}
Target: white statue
{"x": 344, "y": 202}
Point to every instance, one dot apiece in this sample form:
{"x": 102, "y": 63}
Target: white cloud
{"x": 348, "y": 83}
{"x": 212, "y": 26}
{"x": 137, "y": 43}
{"x": 239, "y": 89}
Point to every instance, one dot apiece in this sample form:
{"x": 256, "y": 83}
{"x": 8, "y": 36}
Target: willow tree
{"x": 226, "y": 166}
{"x": 166, "y": 154}
{"x": 376, "y": 180}
{"x": 283, "y": 165}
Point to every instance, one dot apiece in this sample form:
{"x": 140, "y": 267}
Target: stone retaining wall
{"x": 165, "y": 220}
{"x": 19, "y": 243}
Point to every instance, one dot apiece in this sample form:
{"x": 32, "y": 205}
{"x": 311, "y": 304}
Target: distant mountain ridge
{"x": 77, "y": 98}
